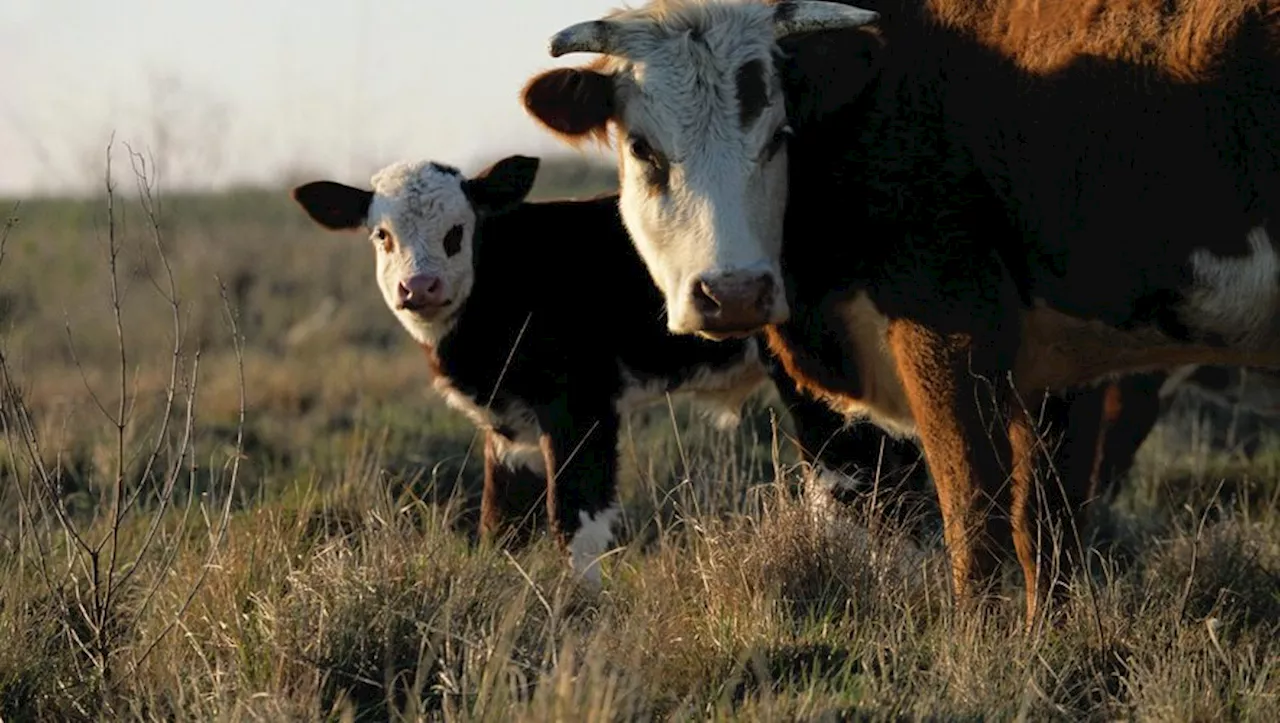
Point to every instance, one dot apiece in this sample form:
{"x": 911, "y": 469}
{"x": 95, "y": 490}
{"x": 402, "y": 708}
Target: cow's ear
{"x": 335, "y": 206}
{"x": 503, "y": 185}
{"x": 574, "y": 103}
{"x": 822, "y": 71}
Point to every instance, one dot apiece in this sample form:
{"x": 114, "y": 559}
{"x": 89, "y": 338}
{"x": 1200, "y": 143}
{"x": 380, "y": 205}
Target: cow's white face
{"x": 421, "y": 219}
{"x": 702, "y": 169}
{"x": 692, "y": 91}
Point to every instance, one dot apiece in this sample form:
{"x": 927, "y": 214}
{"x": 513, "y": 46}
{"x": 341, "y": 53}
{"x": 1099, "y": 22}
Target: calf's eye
{"x": 383, "y": 237}
{"x": 453, "y": 240}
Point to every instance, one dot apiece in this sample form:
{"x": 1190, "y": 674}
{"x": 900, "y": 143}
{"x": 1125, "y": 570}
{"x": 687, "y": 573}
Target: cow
{"x": 982, "y": 203}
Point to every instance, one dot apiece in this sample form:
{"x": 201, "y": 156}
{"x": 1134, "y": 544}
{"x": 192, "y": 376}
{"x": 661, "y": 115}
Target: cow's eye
{"x": 642, "y": 151}
{"x": 778, "y": 140}
{"x": 383, "y": 237}
{"x": 656, "y": 168}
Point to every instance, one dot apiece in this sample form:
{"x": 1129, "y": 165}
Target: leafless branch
{"x": 225, "y": 519}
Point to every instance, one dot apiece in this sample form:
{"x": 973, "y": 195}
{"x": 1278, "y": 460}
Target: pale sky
{"x": 261, "y": 88}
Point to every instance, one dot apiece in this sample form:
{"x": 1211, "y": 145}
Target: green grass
{"x": 346, "y": 583}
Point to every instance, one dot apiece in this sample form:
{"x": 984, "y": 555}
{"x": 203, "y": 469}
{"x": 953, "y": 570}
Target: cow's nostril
{"x": 703, "y": 298}
{"x": 765, "y": 298}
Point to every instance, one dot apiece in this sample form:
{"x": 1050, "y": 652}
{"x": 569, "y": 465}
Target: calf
{"x": 487, "y": 284}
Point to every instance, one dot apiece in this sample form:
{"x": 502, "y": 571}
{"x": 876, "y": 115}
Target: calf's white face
{"x": 693, "y": 94}
{"x": 421, "y": 219}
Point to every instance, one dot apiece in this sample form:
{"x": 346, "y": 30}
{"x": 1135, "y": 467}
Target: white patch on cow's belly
{"x": 590, "y": 541}
{"x": 719, "y": 391}
{"x": 1238, "y": 298}
{"x": 884, "y": 400}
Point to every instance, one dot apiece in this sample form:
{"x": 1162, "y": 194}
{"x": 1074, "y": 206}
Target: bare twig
{"x": 98, "y": 570}
{"x": 9, "y": 222}
{"x": 120, "y": 422}
{"x": 170, "y": 295}
{"x": 224, "y": 522}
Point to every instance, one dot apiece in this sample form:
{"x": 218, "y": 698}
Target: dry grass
{"x": 348, "y": 585}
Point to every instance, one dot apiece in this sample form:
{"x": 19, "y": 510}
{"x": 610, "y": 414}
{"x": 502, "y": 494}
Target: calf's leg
{"x": 579, "y": 445}
{"x": 512, "y": 503}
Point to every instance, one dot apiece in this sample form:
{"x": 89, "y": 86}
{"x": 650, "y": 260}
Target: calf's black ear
{"x": 333, "y": 205}
{"x": 503, "y": 185}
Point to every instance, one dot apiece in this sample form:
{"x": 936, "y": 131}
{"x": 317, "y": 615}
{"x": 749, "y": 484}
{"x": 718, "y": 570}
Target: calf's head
{"x": 693, "y": 92}
{"x": 421, "y": 219}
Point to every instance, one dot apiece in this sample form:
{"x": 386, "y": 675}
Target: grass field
{"x": 236, "y": 499}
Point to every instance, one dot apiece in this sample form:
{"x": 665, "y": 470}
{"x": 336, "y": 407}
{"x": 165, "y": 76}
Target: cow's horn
{"x": 591, "y": 36}
{"x": 799, "y": 16}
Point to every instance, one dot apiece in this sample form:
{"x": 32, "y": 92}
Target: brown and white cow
{"x": 980, "y": 202}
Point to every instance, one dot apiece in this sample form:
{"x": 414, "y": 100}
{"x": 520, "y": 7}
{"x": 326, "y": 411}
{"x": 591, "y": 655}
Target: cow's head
{"x": 695, "y": 95}
{"x": 421, "y": 220}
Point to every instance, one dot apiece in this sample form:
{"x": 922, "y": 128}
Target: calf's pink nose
{"x": 422, "y": 291}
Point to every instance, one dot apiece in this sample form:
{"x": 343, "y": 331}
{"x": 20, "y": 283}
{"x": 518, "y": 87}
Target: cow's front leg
{"x": 579, "y": 445}
{"x": 515, "y": 482}
{"x": 957, "y": 391}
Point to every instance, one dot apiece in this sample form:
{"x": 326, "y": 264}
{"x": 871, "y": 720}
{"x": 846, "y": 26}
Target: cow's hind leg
{"x": 1054, "y": 458}
{"x": 1081, "y": 441}
{"x": 1130, "y": 411}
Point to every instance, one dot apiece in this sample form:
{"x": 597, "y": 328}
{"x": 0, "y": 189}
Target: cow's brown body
{"x": 1033, "y": 239}
{"x": 988, "y": 201}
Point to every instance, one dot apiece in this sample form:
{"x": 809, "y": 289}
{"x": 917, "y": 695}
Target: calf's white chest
{"x": 522, "y": 449}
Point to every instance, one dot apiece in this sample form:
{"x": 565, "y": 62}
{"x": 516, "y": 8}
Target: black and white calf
{"x": 541, "y": 324}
